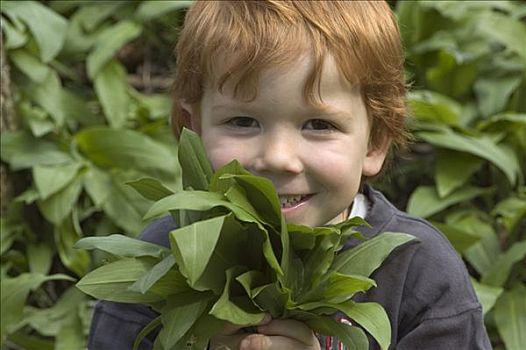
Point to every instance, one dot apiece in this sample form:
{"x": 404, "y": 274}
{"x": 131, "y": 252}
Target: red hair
{"x": 250, "y": 36}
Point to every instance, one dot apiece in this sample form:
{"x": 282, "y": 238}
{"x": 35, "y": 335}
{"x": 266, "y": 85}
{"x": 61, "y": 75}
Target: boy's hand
{"x": 272, "y": 335}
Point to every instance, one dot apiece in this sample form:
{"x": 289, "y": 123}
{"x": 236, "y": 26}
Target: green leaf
{"x": 14, "y": 292}
{"x": 500, "y": 270}
{"x": 50, "y": 29}
{"x": 271, "y": 298}
{"x": 263, "y": 196}
{"x": 39, "y": 258}
{"x": 179, "y": 315}
{"x": 71, "y": 335}
{"x": 21, "y": 151}
{"x": 114, "y": 38}
{"x": 51, "y": 179}
{"x": 226, "y": 309}
{"x": 92, "y": 15}
{"x": 509, "y": 31}
{"x": 511, "y": 211}
{"x": 112, "y": 91}
{"x": 194, "y": 245}
{"x": 198, "y": 337}
{"x": 460, "y": 239}
{"x": 189, "y": 200}
{"x": 432, "y": 106}
{"x": 493, "y": 93}
{"x": 487, "y": 295}
{"x": 66, "y": 234}
{"x": 14, "y": 37}
{"x": 123, "y": 205}
{"x": 372, "y": 317}
{"x": 144, "y": 283}
{"x": 111, "y": 281}
{"x": 38, "y": 120}
{"x": 122, "y": 245}
{"x": 451, "y": 75}
{"x": 49, "y": 321}
{"x": 29, "y": 64}
{"x": 197, "y": 170}
{"x": 49, "y": 95}
{"x": 58, "y": 206}
{"x": 481, "y": 146}
{"x": 367, "y": 256}
{"x": 509, "y": 317}
{"x": 98, "y": 185}
{"x": 126, "y": 149}
{"x": 352, "y": 337}
{"x": 453, "y": 169}
{"x": 425, "y": 202}
{"x": 150, "y": 10}
{"x": 27, "y": 341}
{"x": 156, "y": 322}
{"x": 343, "y": 286}
{"x": 150, "y": 188}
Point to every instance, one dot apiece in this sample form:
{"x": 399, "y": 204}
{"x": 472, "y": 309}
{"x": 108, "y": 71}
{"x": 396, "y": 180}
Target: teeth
{"x": 290, "y": 200}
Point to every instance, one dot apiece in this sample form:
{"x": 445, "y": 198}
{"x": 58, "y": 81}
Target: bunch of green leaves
{"x": 83, "y": 131}
{"x": 234, "y": 258}
{"x": 466, "y": 62}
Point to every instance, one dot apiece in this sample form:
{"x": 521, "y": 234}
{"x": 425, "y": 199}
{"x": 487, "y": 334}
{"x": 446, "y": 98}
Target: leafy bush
{"x": 466, "y": 62}
{"x": 89, "y": 85}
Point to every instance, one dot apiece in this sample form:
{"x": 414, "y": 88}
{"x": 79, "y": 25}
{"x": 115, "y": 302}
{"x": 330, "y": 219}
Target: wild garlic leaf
{"x": 352, "y": 337}
{"x": 187, "y": 200}
{"x": 122, "y": 245}
{"x": 192, "y": 157}
{"x": 179, "y": 315}
{"x": 272, "y": 298}
{"x": 367, "y": 256}
{"x": 159, "y": 270}
{"x": 111, "y": 281}
{"x": 263, "y": 197}
{"x": 193, "y": 249}
{"x": 372, "y": 317}
{"x": 226, "y": 309}
{"x": 150, "y": 188}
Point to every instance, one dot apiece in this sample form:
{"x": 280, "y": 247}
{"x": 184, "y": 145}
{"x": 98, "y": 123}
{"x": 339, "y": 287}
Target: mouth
{"x": 292, "y": 200}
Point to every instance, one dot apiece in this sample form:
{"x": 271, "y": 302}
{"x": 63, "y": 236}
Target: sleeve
{"x": 462, "y": 331}
{"x": 439, "y": 307}
{"x": 115, "y": 326}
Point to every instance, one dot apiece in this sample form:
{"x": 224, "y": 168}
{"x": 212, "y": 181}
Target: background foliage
{"x": 89, "y": 86}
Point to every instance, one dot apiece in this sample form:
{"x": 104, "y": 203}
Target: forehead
{"x": 317, "y": 76}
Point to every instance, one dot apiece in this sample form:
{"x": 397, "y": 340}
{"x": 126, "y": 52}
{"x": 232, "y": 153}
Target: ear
{"x": 375, "y": 157}
{"x": 190, "y": 116}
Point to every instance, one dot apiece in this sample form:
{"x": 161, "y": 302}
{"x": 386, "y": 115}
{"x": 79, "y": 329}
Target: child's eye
{"x": 319, "y": 125}
{"x": 243, "y": 122}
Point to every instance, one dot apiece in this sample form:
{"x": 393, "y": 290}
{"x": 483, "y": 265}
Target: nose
{"x": 279, "y": 152}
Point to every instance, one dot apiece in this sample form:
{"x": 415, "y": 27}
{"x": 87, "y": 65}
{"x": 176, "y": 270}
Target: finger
{"x": 231, "y": 328}
{"x": 296, "y": 330}
{"x": 263, "y": 342}
{"x": 255, "y": 342}
{"x": 224, "y": 342}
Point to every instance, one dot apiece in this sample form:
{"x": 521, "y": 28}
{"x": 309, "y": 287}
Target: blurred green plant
{"x": 90, "y": 118}
{"x": 466, "y": 62}
{"x": 89, "y": 82}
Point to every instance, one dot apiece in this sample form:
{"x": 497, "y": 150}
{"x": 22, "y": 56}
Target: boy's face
{"x": 314, "y": 157}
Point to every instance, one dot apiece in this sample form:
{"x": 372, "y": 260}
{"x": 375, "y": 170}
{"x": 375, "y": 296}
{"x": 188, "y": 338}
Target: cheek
{"x": 220, "y": 153}
{"x": 337, "y": 170}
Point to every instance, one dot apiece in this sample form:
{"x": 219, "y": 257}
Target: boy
{"x": 311, "y": 96}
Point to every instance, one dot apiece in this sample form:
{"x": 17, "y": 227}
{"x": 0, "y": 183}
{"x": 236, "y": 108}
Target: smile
{"x": 292, "y": 200}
